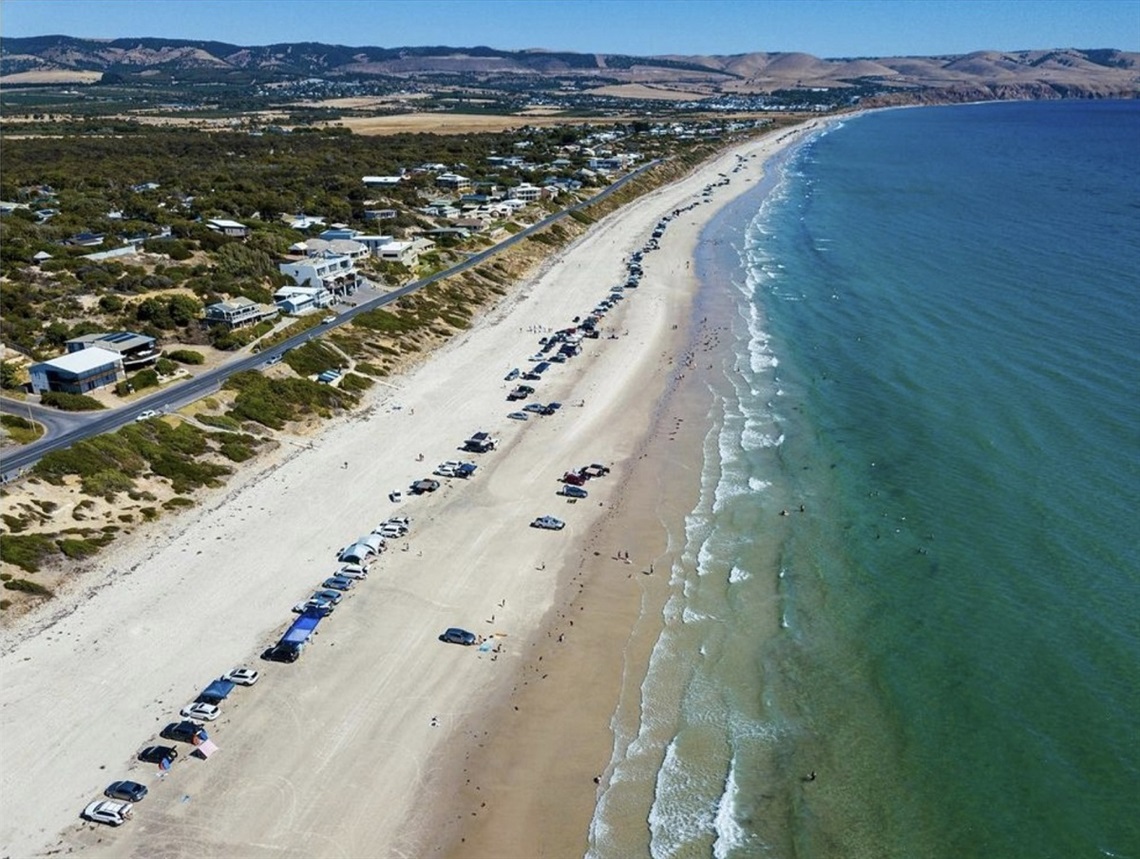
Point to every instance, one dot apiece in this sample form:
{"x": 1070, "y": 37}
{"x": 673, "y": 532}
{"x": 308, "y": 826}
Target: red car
{"x": 573, "y": 478}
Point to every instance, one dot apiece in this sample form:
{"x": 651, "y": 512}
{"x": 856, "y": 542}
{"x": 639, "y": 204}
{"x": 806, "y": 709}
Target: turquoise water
{"x": 936, "y": 328}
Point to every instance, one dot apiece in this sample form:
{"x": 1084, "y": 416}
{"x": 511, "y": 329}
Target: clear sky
{"x": 826, "y": 28}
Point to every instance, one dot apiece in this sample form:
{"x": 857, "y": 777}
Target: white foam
{"x": 758, "y": 485}
{"x": 738, "y": 575}
{"x": 729, "y": 833}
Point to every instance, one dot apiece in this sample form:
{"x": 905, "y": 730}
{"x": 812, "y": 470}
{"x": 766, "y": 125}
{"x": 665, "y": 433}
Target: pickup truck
{"x": 520, "y": 393}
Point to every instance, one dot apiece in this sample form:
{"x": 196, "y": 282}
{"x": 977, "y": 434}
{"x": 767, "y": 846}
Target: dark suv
{"x": 455, "y": 635}
{"x": 282, "y": 652}
{"x": 183, "y": 732}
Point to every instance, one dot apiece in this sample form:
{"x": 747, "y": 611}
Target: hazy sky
{"x": 826, "y": 28}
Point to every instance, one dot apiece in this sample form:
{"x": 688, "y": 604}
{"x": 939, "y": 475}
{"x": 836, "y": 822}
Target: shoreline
{"x": 532, "y": 786}
{"x": 353, "y": 715}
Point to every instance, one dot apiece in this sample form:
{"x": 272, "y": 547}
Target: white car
{"x": 548, "y": 523}
{"x": 242, "y": 676}
{"x": 353, "y": 571}
{"x": 147, "y": 415}
{"x": 109, "y": 811}
{"x": 200, "y": 710}
{"x": 329, "y": 320}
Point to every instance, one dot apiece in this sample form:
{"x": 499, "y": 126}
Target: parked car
{"x": 337, "y": 583}
{"x": 128, "y": 791}
{"x": 242, "y": 676}
{"x": 571, "y": 491}
{"x": 549, "y": 523}
{"x": 511, "y": 376}
{"x": 201, "y": 710}
{"x": 352, "y": 572}
{"x": 328, "y": 595}
{"x": 554, "y": 406}
{"x": 323, "y": 607}
{"x": 108, "y": 811}
{"x": 425, "y": 485}
{"x": 534, "y": 408}
{"x": 455, "y": 635}
{"x": 182, "y": 732}
{"x": 573, "y": 478}
{"x": 158, "y": 754}
{"x": 147, "y": 415}
{"x": 282, "y": 652}
{"x": 517, "y": 416}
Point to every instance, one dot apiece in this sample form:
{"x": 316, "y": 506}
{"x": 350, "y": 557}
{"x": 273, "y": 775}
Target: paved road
{"x": 63, "y": 432}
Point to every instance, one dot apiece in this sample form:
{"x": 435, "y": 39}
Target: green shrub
{"x": 164, "y": 366}
{"x": 186, "y": 356}
{"x": 107, "y": 484}
{"x": 70, "y": 402}
{"x": 369, "y": 369}
{"x": 141, "y": 380}
{"x": 26, "y": 551}
{"x": 15, "y": 523}
{"x": 15, "y": 422}
{"x": 178, "y": 502}
{"x": 355, "y": 382}
{"x": 27, "y": 587}
{"x": 313, "y": 358}
{"x": 76, "y": 548}
{"x": 274, "y": 402}
{"x": 221, "y": 421}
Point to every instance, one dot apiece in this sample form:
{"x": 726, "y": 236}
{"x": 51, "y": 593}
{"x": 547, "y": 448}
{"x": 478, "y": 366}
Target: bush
{"x": 313, "y": 358}
{"x": 76, "y": 548}
{"x": 186, "y": 356}
{"x": 355, "y": 382}
{"x": 26, "y": 551}
{"x": 70, "y": 402}
{"x": 164, "y": 366}
{"x": 28, "y": 587}
{"x": 141, "y": 380}
{"x": 178, "y": 502}
{"x": 274, "y": 402}
{"x": 220, "y": 421}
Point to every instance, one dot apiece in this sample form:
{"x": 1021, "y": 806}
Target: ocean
{"x": 905, "y": 616}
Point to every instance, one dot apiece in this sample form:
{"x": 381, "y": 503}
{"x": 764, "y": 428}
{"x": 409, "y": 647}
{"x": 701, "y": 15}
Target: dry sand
{"x": 358, "y": 748}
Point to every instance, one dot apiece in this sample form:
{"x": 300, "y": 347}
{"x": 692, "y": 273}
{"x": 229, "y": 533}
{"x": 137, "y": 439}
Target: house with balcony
{"x": 333, "y": 272}
{"x": 453, "y": 181}
{"x": 238, "y": 312}
{"x": 526, "y": 192}
{"x": 135, "y": 350}
{"x": 298, "y": 299}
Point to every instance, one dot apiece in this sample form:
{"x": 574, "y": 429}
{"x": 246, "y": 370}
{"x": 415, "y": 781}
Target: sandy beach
{"x": 381, "y": 740}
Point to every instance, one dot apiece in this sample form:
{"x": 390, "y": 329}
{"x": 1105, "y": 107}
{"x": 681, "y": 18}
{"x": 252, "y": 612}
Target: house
{"x": 135, "y": 350}
{"x": 145, "y": 186}
{"x": 228, "y": 228}
{"x": 331, "y": 271}
{"x": 380, "y": 214}
{"x": 526, "y": 192}
{"x": 41, "y": 257}
{"x": 338, "y": 231}
{"x": 453, "y": 181}
{"x": 114, "y": 253}
{"x": 351, "y": 248}
{"x": 303, "y": 222}
{"x": 298, "y": 299}
{"x": 405, "y": 253}
{"x": 77, "y": 372}
{"x": 238, "y": 312}
{"x": 374, "y": 242}
{"x": 382, "y": 181}
{"x": 85, "y": 240}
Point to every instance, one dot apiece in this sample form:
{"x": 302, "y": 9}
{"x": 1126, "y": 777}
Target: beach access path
{"x": 335, "y": 754}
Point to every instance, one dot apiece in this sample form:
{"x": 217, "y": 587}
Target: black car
{"x": 282, "y": 652}
{"x": 158, "y": 754}
{"x": 183, "y": 732}
{"x": 455, "y": 635}
{"x": 131, "y": 791}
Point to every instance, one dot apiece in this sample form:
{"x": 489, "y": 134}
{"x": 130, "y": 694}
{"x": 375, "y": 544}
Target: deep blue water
{"x": 937, "y": 329}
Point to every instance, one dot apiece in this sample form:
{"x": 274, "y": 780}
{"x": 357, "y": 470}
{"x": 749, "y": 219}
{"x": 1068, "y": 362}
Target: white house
{"x": 354, "y": 249}
{"x": 526, "y": 192}
{"x": 374, "y": 242}
{"x": 382, "y": 181}
{"x": 453, "y": 180}
{"x": 405, "y": 253}
{"x": 333, "y": 272}
{"x": 297, "y": 299}
{"x": 228, "y": 228}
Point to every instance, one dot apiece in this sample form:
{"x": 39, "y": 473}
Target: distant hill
{"x": 1055, "y": 73}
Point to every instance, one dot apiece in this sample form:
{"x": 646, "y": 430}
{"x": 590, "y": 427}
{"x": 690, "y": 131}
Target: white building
{"x": 298, "y": 299}
{"x": 333, "y": 272}
{"x": 526, "y": 192}
{"x": 229, "y": 228}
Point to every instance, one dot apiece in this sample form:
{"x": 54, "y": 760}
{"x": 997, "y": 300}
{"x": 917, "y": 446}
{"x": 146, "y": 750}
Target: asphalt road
{"x": 64, "y": 429}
